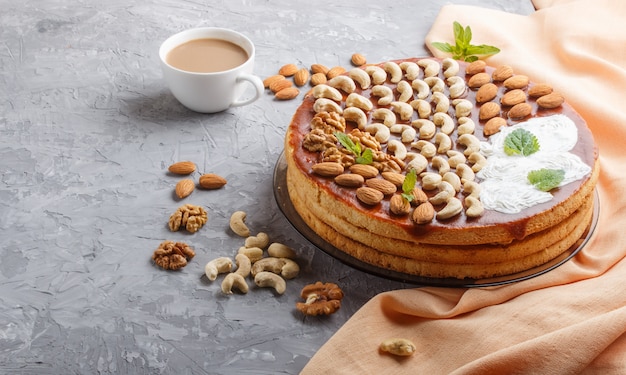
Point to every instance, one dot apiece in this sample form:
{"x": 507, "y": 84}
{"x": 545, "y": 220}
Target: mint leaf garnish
{"x": 521, "y": 141}
{"x": 463, "y": 49}
{"x": 408, "y": 185}
{"x": 546, "y": 179}
{"x": 361, "y": 156}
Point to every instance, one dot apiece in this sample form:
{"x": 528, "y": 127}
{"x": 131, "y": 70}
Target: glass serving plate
{"x": 281, "y": 195}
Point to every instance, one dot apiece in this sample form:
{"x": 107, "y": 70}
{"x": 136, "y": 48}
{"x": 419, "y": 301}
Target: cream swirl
{"x": 504, "y": 182}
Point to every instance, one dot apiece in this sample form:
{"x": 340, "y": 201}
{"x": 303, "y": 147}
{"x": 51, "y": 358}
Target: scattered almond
{"x": 288, "y": 70}
{"x": 520, "y": 111}
{"x": 301, "y": 77}
{"x": 287, "y": 93}
{"x": 182, "y": 167}
{"x": 493, "y": 126}
{"x": 318, "y": 79}
{"x": 319, "y": 68}
{"x": 211, "y": 181}
{"x": 398, "y": 205}
{"x": 358, "y": 59}
{"x": 280, "y": 85}
{"x": 488, "y": 110}
{"x": 516, "y": 82}
{"x": 369, "y": 196}
{"x": 367, "y": 171}
{"x": 328, "y": 169}
{"x": 486, "y": 92}
{"x": 419, "y": 196}
{"x": 539, "y": 89}
{"x": 424, "y": 213}
{"x": 502, "y": 72}
{"x": 475, "y": 67}
{"x": 335, "y": 71}
{"x": 349, "y": 180}
{"x": 382, "y": 185}
{"x": 184, "y": 188}
{"x": 267, "y": 82}
{"x": 477, "y": 80}
{"x": 513, "y": 97}
{"x": 549, "y": 101}
{"x": 394, "y": 177}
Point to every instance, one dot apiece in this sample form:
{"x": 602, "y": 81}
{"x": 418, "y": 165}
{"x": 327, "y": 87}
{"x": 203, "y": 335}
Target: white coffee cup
{"x": 216, "y": 91}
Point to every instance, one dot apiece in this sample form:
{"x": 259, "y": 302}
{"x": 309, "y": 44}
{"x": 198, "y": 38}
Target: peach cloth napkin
{"x": 570, "y": 320}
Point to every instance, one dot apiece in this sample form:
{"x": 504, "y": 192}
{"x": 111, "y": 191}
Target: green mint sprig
{"x": 463, "y": 49}
{"x": 408, "y": 185}
{"x": 361, "y": 156}
{"x": 520, "y": 141}
{"x": 546, "y": 179}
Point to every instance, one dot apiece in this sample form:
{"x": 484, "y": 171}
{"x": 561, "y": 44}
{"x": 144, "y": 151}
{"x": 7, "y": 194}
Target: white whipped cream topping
{"x": 505, "y": 187}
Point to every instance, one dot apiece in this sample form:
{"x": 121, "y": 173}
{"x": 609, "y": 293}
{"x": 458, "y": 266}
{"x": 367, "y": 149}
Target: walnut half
{"x": 189, "y": 217}
{"x": 320, "y": 299}
{"x": 172, "y": 255}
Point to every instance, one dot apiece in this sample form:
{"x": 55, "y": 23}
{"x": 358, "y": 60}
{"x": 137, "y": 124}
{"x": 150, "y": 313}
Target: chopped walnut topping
{"x": 320, "y": 299}
{"x": 338, "y": 155}
{"x": 189, "y": 217}
{"x": 329, "y": 122}
{"x": 365, "y": 138}
{"x": 319, "y": 141}
{"x": 172, "y": 255}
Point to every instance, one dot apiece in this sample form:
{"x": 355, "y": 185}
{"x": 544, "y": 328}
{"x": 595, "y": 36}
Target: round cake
{"x": 441, "y": 168}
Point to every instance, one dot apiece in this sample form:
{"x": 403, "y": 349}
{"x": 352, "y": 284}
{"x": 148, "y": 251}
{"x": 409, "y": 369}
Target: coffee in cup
{"x": 208, "y": 69}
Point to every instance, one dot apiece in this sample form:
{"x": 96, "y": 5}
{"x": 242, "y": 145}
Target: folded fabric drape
{"x": 570, "y": 320}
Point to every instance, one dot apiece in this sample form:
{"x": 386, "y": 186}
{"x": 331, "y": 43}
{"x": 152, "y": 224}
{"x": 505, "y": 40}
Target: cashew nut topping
{"x": 446, "y": 191}
{"x": 236, "y": 281}
{"x": 385, "y": 114}
{"x": 456, "y": 86}
{"x": 465, "y": 172}
{"x": 217, "y": 266}
{"x": 398, "y": 346}
{"x": 403, "y": 109}
{"x": 238, "y": 225}
{"x": 244, "y": 265}
{"x": 444, "y": 142}
{"x": 474, "y": 207}
{"x": 436, "y": 84}
{"x": 441, "y": 165}
{"x": 445, "y": 121}
{"x": 431, "y": 67}
{"x": 361, "y": 77}
{"x": 411, "y": 70}
{"x": 425, "y": 148}
{"x": 405, "y": 90}
{"x": 397, "y": 148}
{"x": 416, "y": 161}
{"x": 442, "y": 103}
{"x": 472, "y": 188}
{"x": 260, "y": 240}
{"x": 466, "y": 126}
{"x": 462, "y": 107}
{"x": 394, "y": 70}
{"x": 430, "y": 180}
{"x": 422, "y": 88}
{"x": 379, "y": 131}
{"x": 355, "y": 115}
{"x": 253, "y": 253}
{"x": 426, "y": 128}
{"x": 384, "y": 93}
{"x": 450, "y": 67}
{"x": 342, "y": 82}
{"x": 324, "y": 91}
{"x": 326, "y": 105}
{"x": 407, "y": 132}
{"x": 377, "y": 73}
{"x": 451, "y": 209}
{"x": 453, "y": 179}
{"x": 423, "y": 108}
{"x": 286, "y": 267}
{"x": 455, "y": 158}
{"x": 279, "y": 250}
{"x": 359, "y": 101}
{"x": 471, "y": 143}
{"x": 478, "y": 161}
{"x": 265, "y": 279}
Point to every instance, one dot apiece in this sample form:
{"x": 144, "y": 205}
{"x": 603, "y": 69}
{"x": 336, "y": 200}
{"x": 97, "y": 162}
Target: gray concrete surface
{"x": 87, "y": 131}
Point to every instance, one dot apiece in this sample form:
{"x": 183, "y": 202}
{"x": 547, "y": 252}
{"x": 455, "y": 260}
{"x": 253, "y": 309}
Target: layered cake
{"x": 441, "y": 168}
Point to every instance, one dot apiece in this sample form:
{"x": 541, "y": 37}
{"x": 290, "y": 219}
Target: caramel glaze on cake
{"x": 492, "y": 244}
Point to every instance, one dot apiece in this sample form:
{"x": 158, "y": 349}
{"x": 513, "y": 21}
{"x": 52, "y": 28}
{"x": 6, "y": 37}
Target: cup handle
{"x": 258, "y": 88}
